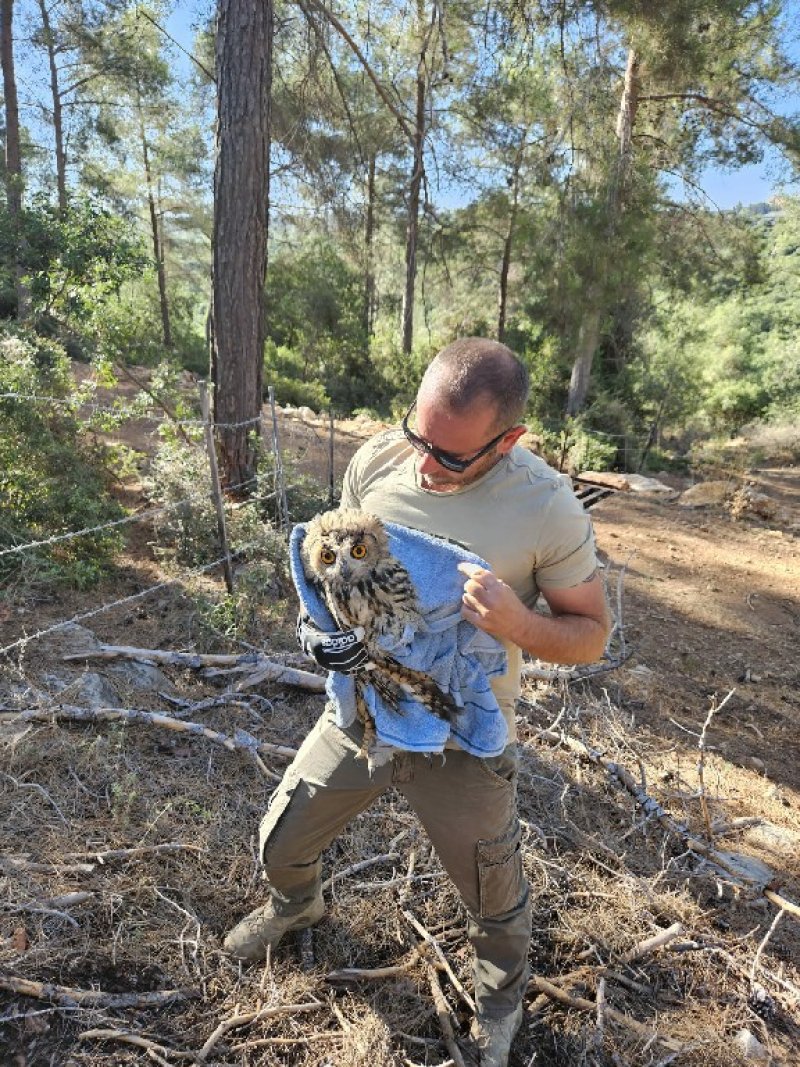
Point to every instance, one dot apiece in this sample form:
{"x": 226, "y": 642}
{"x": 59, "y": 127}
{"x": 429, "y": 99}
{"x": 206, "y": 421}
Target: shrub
{"x": 50, "y": 482}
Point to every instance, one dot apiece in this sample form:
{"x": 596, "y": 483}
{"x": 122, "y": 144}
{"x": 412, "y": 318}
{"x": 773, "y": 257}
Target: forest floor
{"x": 117, "y": 958}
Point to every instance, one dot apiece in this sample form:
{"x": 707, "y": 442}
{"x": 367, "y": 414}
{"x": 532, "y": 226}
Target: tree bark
{"x": 505, "y": 265}
{"x": 155, "y": 231}
{"x": 13, "y": 153}
{"x": 595, "y": 304}
{"x": 58, "y": 125}
{"x": 369, "y": 242}
{"x": 412, "y": 226}
{"x": 241, "y": 213}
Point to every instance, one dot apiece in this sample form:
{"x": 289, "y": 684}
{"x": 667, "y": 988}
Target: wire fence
{"x": 224, "y": 498}
{"x": 310, "y": 444}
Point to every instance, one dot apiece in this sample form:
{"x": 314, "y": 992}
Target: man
{"x": 454, "y": 470}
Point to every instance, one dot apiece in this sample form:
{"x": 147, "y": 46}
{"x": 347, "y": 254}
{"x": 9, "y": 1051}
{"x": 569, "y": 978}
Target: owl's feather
{"x": 346, "y": 555}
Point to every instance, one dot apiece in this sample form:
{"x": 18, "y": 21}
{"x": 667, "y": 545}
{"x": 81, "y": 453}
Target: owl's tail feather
{"x": 388, "y": 676}
{"x": 366, "y": 721}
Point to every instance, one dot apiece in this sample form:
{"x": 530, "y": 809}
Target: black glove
{"x": 341, "y": 650}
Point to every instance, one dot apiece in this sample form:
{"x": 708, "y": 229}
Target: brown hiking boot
{"x": 250, "y": 938}
{"x": 493, "y": 1037}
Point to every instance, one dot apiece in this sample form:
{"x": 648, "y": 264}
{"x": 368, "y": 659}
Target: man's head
{"x": 469, "y": 407}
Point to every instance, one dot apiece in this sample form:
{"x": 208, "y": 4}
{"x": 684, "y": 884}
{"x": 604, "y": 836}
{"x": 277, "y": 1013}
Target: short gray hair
{"x": 475, "y": 368}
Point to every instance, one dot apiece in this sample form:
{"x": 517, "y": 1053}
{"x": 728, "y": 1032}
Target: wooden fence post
{"x": 216, "y": 489}
{"x": 330, "y": 458}
{"x": 280, "y": 483}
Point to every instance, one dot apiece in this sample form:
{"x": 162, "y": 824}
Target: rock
{"x": 756, "y": 764}
{"x": 68, "y": 640}
{"x": 640, "y": 484}
{"x": 141, "y": 676}
{"x": 612, "y": 479}
{"x": 88, "y": 690}
{"x": 94, "y": 691}
{"x": 780, "y": 840}
{"x": 751, "y": 870}
{"x": 747, "y": 501}
{"x": 750, "y": 1047}
{"x": 306, "y": 413}
{"x": 705, "y": 494}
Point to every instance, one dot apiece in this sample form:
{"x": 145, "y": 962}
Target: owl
{"x": 346, "y": 557}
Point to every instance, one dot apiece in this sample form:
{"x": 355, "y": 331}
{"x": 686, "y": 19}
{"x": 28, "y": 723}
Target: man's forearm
{"x": 562, "y": 638}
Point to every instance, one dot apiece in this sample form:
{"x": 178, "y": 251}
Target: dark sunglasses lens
{"x": 449, "y": 462}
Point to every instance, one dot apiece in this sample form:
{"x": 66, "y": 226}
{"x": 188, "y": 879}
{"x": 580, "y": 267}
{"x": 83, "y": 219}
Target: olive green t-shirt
{"x": 522, "y": 517}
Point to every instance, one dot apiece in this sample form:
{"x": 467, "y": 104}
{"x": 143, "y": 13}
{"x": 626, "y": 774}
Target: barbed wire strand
{"x": 116, "y": 411}
{"x": 118, "y": 603}
{"x": 138, "y": 517}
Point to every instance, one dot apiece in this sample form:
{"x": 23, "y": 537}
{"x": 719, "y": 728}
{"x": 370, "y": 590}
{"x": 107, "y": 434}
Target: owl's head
{"x": 343, "y": 546}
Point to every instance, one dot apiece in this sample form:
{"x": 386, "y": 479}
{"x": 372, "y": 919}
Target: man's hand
{"x": 491, "y": 605}
{"x": 575, "y": 631}
{"x": 341, "y": 650}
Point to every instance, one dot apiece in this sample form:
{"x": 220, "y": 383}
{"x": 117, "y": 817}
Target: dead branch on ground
{"x": 129, "y": 1038}
{"x": 247, "y": 1018}
{"x": 241, "y": 741}
{"x": 444, "y": 1017}
{"x": 95, "y": 998}
{"x": 653, "y": 809}
{"x": 263, "y": 669}
{"x": 581, "y": 1004}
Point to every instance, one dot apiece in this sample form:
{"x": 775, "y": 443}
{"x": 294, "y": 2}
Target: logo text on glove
{"x": 335, "y": 644}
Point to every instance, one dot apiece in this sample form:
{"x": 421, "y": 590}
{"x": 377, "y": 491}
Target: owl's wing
{"x": 392, "y": 680}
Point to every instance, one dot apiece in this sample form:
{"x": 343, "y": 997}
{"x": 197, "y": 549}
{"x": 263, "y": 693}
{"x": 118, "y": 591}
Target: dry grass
{"x": 603, "y": 880}
{"x": 603, "y": 876}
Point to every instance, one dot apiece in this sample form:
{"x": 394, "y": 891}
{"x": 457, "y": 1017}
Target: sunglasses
{"x": 446, "y": 459}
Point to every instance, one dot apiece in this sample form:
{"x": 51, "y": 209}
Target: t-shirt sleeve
{"x": 361, "y": 469}
{"x": 565, "y": 554}
{"x": 350, "y": 497}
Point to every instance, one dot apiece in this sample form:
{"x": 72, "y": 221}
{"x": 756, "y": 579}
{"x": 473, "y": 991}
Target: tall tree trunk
{"x": 412, "y": 226}
{"x": 589, "y": 335}
{"x": 13, "y": 154}
{"x": 241, "y": 213}
{"x": 369, "y": 243}
{"x": 505, "y": 265}
{"x": 58, "y": 125}
{"x": 155, "y": 231}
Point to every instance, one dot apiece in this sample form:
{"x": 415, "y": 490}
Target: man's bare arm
{"x": 576, "y": 632}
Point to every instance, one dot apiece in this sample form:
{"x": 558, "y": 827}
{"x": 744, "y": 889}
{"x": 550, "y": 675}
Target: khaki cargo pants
{"x": 468, "y": 808}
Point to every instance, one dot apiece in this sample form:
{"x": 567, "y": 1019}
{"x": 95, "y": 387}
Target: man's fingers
{"x": 471, "y": 602}
{"x": 472, "y": 570}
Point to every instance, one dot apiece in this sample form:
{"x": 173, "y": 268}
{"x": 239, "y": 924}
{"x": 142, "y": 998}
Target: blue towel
{"x": 457, "y": 655}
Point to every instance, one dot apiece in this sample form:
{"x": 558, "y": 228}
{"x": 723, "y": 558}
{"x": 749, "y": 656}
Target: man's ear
{"x": 510, "y": 439}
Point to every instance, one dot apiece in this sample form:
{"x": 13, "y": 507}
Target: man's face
{"x": 461, "y": 434}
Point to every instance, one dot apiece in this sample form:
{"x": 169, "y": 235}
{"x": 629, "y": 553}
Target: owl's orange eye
{"x": 327, "y": 556}
{"x": 358, "y": 551}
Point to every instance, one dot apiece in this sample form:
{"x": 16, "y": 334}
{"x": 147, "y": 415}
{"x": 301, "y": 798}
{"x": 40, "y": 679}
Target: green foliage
{"x": 72, "y": 261}
{"x": 50, "y": 482}
{"x": 588, "y": 450}
{"x": 315, "y": 323}
{"x": 284, "y": 369}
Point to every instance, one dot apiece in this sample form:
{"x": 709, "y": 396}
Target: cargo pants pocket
{"x": 501, "y": 880}
{"x": 278, "y": 806}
